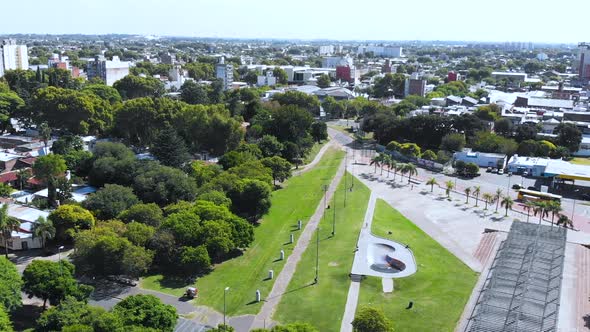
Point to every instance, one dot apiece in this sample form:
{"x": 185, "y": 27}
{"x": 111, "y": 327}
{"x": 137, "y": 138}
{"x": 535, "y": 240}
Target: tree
{"x": 564, "y": 221}
{"x": 298, "y": 99}
{"x": 74, "y": 111}
{"x": 467, "y": 192}
{"x": 44, "y": 133}
{"x": 53, "y": 281}
{"x": 43, "y": 228}
{"x": 431, "y": 182}
{"x": 76, "y": 316}
{"x": 488, "y": 199}
{"x": 139, "y": 234}
{"x": 429, "y": 155}
{"x": 542, "y": 209}
{"x": 281, "y": 75}
{"x": 137, "y": 121}
{"x": 389, "y": 85}
{"x": 147, "y": 311}
{"x": 323, "y": 81}
{"x": 411, "y": 150}
{"x": 110, "y": 201}
{"x": 48, "y": 168}
{"x": 319, "y": 131}
{"x": 11, "y": 105}
{"x": 497, "y": 198}
{"x": 281, "y": 168}
{"x": 410, "y": 169}
{"x": 5, "y": 323}
{"x": 70, "y": 219}
{"x": 270, "y": 146}
{"x": 103, "y": 91}
{"x": 471, "y": 169}
{"x": 376, "y": 160}
{"x": 251, "y": 199}
{"x": 10, "y": 286}
{"x": 170, "y": 149}
{"x": 368, "y": 319}
{"x": 132, "y": 86}
{"x": 450, "y": 185}
{"x": 555, "y": 208}
{"x": 569, "y": 135}
{"x": 193, "y": 93}
{"x": 149, "y": 214}
{"x": 476, "y": 192}
{"x": 66, "y": 144}
{"x": 164, "y": 185}
{"x": 194, "y": 260}
{"x": 503, "y": 126}
{"x": 529, "y": 206}
{"x": 507, "y": 203}
{"x": 8, "y": 224}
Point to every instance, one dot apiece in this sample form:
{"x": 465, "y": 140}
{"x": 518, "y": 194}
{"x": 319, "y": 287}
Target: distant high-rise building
{"x": 326, "y": 50}
{"x": 13, "y": 56}
{"x": 381, "y": 51}
{"x": 582, "y": 63}
{"x": 344, "y": 73}
{"x": 417, "y": 87}
{"x": 225, "y": 72}
{"x": 106, "y": 70}
{"x": 335, "y": 61}
{"x": 453, "y": 76}
{"x": 168, "y": 58}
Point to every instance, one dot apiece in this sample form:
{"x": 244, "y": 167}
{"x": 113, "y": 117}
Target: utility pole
{"x": 325, "y": 188}
{"x": 317, "y": 257}
{"x": 334, "y": 213}
{"x": 345, "y": 170}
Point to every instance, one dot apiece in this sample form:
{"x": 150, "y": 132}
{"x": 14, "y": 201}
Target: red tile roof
{"x": 8, "y": 177}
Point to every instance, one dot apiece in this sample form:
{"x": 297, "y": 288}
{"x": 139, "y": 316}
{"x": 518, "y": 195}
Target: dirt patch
{"x": 333, "y": 264}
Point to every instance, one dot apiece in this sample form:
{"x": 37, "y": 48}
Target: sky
{"x": 468, "y": 20}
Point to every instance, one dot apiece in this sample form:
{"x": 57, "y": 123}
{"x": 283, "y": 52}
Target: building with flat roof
{"x": 381, "y": 51}
{"x": 582, "y": 64}
{"x": 109, "y": 71}
{"x": 13, "y": 56}
{"x": 481, "y": 159}
{"x": 225, "y": 72}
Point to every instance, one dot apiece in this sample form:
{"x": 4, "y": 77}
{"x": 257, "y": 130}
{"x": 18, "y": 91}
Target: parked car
{"x": 489, "y": 170}
{"x": 533, "y": 188}
{"x": 525, "y": 173}
{"x": 494, "y": 170}
{"x": 500, "y": 171}
{"x": 516, "y": 186}
{"x": 585, "y": 197}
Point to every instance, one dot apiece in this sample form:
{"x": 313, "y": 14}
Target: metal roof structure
{"x": 522, "y": 290}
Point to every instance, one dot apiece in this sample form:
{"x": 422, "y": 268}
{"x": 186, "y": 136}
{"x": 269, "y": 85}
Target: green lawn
{"x": 440, "y": 289}
{"x": 580, "y": 161}
{"x": 323, "y": 304}
{"x": 247, "y": 273}
{"x": 315, "y": 149}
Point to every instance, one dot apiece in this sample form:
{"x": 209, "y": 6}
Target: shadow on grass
{"x": 293, "y": 290}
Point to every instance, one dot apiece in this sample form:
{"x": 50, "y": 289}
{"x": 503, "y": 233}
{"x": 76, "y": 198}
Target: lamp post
{"x": 334, "y": 213}
{"x": 224, "y": 293}
{"x": 317, "y": 256}
{"x": 59, "y": 249}
{"x": 325, "y": 189}
{"x": 345, "y": 170}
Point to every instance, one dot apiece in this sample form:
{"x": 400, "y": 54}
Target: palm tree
{"x": 564, "y": 221}
{"x": 449, "y": 186}
{"x": 395, "y": 166}
{"x": 507, "y": 203}
{"x": 388, "y": 161}
{"x": 467, "y": 192}
{"x": 411, "y": 170}
{"x": 43, "y": 229}
{"x": 488, "y": 198}
{"x": 540, "y": 208}
{"x": 528, "y": 206}
{"x": 7, "y": 225}
{"x": 431, "y": 182}
{"x": 497, "y": 197}
{"x": 476, "y": 192}
{"x": 376, "y": 161}
{"x": 554, "y": 207}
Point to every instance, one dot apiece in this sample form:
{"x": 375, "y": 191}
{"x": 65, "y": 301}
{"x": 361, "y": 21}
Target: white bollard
{"x": 271, "y": 274}
{"x": 257, "y": 295}
{"x": 299, "y": 223}
{"x": 282, "y": 254}
{"x": 291, "y": 238}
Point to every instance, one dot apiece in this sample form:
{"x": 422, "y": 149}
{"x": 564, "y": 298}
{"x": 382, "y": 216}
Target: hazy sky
{"x": 492, "y": 20}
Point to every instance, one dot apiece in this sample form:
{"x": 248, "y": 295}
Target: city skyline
{"x": 376, "y": 20}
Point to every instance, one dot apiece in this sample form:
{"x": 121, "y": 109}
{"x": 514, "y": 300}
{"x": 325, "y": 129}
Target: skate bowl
{"x": 379, "y": 257}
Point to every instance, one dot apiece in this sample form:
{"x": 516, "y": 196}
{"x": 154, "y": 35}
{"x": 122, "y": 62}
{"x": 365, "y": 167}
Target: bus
{"x": 532, "y": 195}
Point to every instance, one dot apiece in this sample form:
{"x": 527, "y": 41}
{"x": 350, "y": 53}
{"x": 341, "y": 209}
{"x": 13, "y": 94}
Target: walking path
{"x": 283, "y": 279}
{"x": 315, "y": 160}
{"x": 353, "y": 290}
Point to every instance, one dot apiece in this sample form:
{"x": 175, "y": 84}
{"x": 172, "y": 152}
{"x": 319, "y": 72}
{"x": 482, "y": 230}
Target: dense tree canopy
{"x": 132, "y": 86}
{"x": 147, "y": 311}
{"x": 10, "y": 285}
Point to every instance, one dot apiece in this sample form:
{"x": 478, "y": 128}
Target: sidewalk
{"x": 284, "y": 278}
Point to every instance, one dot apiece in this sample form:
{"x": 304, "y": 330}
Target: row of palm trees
{"x": 384, "y": 160}
{"x": 541, "y": 208}
{"x": 42, "y": 229}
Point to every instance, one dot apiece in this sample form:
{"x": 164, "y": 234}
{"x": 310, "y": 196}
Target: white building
{"x": 22, "y": 239}
{"x": 582, "y": 63}
{"x": 106, "y": 70}
{"x": 225, "y": 72}
{"x": 326, "y": 50}
{"x": 13, "y": 56}
{"x": 336, "y": 61}
{"x": 381, "y": 51}
{"x": 267, "y": 80}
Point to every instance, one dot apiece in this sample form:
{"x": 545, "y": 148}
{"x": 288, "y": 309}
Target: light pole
{"x": 224, "y": 293}
{"x": 334, "y": 213}
{"x": 317, "y": 257}
{"x": 345, "y": 170}
{"x": 59, "y": 249}
{"x": 325, "y": 188}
